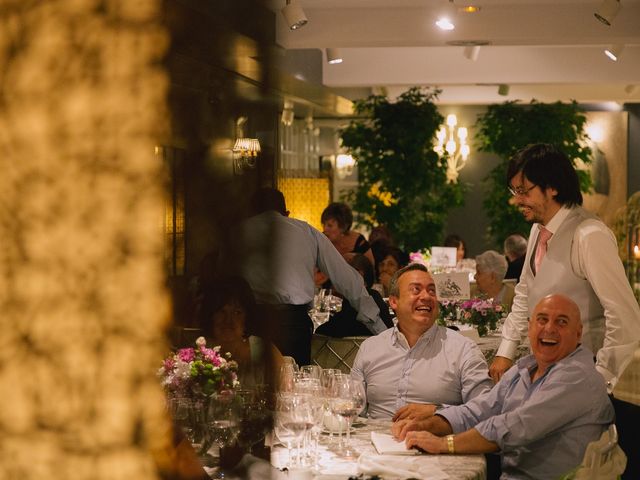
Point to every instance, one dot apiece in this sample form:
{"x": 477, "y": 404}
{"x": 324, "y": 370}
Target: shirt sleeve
{"x": 475, "y": 373}
{"x": 517, "y": 322}
{"x": 466, "y": 416}
{"x": 357, "y": 371}
{"x": 348, "y": 282}
{"x": 609, "y": 282}
{"x": 561, "y": 398}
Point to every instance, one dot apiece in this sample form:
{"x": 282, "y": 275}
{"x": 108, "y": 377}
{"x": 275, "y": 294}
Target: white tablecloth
{"x": 431, "y": 467}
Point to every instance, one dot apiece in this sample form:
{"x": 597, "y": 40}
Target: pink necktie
{"x": 541, "y": 248}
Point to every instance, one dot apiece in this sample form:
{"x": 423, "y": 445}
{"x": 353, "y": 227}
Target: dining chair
{"x": 603, "y": 459}
{"x": 330, "y": 352}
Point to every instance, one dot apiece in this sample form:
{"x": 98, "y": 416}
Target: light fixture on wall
{"x": 503, "y": 89}
{"x": 294, "y": 15}
{"x": 344, "y": 165}
{"x": 287, "y": 114}
{"x": 613, "y": 52}
{"x": 334, "y": 56}
{"x": 607, "y": 11}
{"x": 456, "y": 153}
{"x": 245, "y": 149}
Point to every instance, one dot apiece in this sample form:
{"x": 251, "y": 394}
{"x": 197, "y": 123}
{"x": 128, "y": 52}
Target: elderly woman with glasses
{"x": 491, "y": 268}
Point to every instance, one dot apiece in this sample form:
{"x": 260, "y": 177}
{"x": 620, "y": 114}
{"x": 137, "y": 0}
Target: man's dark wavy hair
{"x": 547, "y": 166}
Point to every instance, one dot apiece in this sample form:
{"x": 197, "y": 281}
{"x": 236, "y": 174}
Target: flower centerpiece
{"x": 199, "y": 371}
{"x": 482, "y": 314}
{"x": 421, "y": 256}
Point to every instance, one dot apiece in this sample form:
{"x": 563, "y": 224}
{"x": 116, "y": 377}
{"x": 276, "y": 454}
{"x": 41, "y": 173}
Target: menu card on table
{"x": 387, "y": 445}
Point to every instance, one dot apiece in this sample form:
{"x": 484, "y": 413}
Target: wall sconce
{"x": 245, "y": 150}
{"x": 503, "y": 89}
{"x": 457, "y": 153}
{"x": 333, "y": 56}
{"x": 287, "y": 114}
{"x": 344, "y": 165}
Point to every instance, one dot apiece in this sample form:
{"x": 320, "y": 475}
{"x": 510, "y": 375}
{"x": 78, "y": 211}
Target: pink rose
{"x": 186, "y": 354}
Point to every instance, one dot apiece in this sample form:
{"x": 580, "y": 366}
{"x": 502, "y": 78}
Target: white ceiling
{"x": 546, "y": 49}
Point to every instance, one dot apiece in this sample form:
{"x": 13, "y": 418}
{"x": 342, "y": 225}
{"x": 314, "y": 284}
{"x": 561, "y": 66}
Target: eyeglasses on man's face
{"x": 521, "y": 190}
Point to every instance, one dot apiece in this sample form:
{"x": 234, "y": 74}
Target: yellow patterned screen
{"x": 306, "y": 198}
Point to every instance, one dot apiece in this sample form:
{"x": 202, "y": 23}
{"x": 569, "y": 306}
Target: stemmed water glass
{"x": 292, "y": 419}
{"x": 348, "y": 404}
{"x": 224, "y": 418}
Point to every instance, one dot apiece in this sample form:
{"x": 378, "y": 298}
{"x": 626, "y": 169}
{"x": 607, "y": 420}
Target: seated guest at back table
{"x": 392, "y": 260}
{"x": 541, "y": 414}
{"x": 336, "y": 221}
{"x": 454, "y": 240}
{"x": 515, "y": 249}
{"x": 228, "y": 319}
{"x": 408, "y": 369}
{"x": 344, "y": 323}
{"x": 490, "y": 270}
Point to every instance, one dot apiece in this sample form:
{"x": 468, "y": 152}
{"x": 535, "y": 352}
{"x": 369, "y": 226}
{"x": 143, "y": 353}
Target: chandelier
{"x": 455, "y": 153}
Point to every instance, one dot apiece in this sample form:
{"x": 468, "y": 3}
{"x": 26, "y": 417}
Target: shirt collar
{"x": 526, "y": 364}
{"x": 557, "y": 219}
{"x": 398, "y": 338}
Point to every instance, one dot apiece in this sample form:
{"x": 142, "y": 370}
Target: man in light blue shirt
{"x": 409, "y": 369}
{"x": 542, "y": 413}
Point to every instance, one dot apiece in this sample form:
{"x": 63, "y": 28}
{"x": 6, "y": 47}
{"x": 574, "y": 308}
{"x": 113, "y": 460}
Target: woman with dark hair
{"x": 229, "y": 314}
{"x": 336, "y": 220}
{"x": 456, "y": 241}
{"x": 392, "y": 260}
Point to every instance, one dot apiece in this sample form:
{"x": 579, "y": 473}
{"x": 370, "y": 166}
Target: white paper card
{"x": 452, "y": 285}
{"x": 385, "y": 444}
{"x": 443, "y": 257}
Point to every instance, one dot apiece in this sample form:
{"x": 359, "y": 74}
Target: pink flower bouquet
{"x": 199, "y": 370}
{"x": 482, "y": 314}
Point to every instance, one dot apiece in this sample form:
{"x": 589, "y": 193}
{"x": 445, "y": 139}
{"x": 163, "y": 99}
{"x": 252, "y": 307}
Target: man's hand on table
{"x": 498, "y": 367}
{"x": 426, "y": 441}
{"x": 414, "y": 411}
{"x": 400, "y": 428}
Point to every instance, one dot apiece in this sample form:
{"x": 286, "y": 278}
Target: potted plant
{"x": 402, "y": 181}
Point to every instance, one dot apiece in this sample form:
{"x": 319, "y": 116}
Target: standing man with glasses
{"x": 572, "y": 252}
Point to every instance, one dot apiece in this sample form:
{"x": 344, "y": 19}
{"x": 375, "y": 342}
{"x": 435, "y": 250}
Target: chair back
{"x": 603, "y": 459}
{"x": 329, "y": 352}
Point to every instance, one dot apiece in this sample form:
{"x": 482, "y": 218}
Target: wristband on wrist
{"x": 450, "y": 445}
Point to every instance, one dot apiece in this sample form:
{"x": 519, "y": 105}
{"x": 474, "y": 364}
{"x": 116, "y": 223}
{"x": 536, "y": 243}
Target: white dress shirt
{"x": 594, "y": 257}
{"x": 443, "y": 367}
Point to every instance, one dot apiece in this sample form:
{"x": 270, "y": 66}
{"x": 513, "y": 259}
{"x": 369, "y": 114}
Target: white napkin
{"x": 386, "y": 444}
{"x": 394, "y": 467}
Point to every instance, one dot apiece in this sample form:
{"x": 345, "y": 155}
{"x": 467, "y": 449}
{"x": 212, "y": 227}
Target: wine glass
{"x": 224, "y": 418}
{"x": 348, "y": 403}
{"x": 189, "y": 414}
{"x": 292, "y": 419}
{"x": 255, "y": 418}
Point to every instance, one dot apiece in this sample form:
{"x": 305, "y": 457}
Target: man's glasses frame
{"x": 515, "y": 191}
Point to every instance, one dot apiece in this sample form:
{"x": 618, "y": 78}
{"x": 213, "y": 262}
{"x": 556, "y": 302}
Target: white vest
{"x": 556, "y": 275}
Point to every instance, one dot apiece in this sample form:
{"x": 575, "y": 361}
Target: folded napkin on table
{"x": 395, "y": 467}
{"x": 386, "y": 444}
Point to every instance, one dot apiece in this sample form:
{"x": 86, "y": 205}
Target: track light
{"x": 471, "y": 52}
{"x": 613, "y": 52}
{"x": 333, "y": 56}
{"x": 446, "y": 17}
{"x": 607, "y": 11}
{"x": 294, "y": 15}
{"x": 503, "y": 89}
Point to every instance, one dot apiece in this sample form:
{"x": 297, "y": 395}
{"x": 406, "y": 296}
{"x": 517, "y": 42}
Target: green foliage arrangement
{"x": 507, "y": 127}
{"x": 401, "y": 181}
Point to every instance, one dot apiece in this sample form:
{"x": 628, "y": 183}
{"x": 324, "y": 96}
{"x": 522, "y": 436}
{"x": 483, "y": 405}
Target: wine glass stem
{"x": 349, "y": 421}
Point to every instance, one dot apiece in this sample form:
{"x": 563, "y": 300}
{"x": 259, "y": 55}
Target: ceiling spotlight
{"x": 503, "y": 89}
{"x": 471, "y": 52}
{"x": 333, "y": 56}
{"x": 607, "y": 11}
{"x": 613, "y": 52}
{"x": 445, "y": 18}
{"x": 294, "y": 15}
